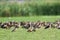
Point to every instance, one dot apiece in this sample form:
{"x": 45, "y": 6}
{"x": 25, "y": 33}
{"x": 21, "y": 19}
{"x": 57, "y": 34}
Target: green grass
{"x": 22, "y": 34}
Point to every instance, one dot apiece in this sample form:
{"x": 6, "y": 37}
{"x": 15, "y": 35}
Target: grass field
{"x": 22, "y": 34}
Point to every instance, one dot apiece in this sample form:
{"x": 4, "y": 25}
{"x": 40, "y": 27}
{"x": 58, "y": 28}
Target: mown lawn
{"x": 22, "y": 34}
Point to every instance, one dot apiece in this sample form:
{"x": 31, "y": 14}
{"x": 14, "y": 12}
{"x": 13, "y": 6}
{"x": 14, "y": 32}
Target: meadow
{"x": 22, "y": 34}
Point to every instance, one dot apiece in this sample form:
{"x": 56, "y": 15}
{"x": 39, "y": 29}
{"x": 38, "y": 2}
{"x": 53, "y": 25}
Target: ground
{"x": 22, "y": 34}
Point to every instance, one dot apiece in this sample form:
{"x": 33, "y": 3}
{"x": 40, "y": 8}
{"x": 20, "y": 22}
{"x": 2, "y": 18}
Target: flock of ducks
{"x": 30, "y": 26}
